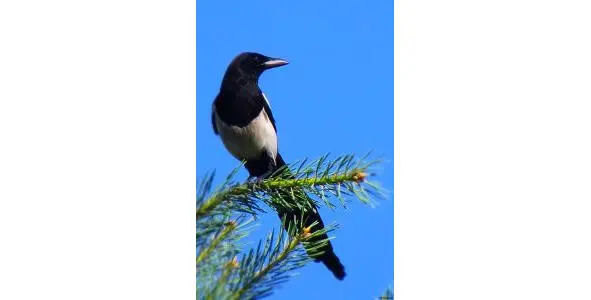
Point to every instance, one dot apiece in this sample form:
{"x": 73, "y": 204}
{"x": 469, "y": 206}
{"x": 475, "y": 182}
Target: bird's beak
{"x": 275, "y": 62}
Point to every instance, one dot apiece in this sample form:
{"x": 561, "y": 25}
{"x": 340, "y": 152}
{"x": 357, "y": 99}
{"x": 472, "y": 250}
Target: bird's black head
{"x": 250, "y": 66}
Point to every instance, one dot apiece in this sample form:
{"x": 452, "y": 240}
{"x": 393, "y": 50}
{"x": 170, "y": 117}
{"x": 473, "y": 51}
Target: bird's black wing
{"x": 215, "y": 129}
{"x": 267, "y": 107}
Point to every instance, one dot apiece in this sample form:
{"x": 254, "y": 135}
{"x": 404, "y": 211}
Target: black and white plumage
{"x": 242, "y": 117}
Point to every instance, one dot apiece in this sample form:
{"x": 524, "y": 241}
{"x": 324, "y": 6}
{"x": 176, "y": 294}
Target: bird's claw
{"x": 259, "y": 179}
{"x": 255, "y": 180}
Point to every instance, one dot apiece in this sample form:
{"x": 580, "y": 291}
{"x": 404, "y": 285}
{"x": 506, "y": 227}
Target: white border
{"x": 97, "y": 155}
{"x": 492, "y": 149}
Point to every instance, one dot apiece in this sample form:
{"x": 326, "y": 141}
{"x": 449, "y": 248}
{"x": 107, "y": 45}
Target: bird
{"x": 241, "y": 116}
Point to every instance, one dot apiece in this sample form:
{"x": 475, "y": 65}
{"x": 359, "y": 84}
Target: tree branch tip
{"x": 359, "y": 176}
{"x": 231, "y": 224}
{"x": 233, "y": 264}
{"x": 306, "y": 232}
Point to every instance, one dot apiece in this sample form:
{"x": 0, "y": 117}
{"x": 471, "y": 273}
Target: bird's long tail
{"x": 327, "y": 256}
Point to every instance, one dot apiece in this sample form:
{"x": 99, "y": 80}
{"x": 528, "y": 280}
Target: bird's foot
{"x": 254, "y": 179}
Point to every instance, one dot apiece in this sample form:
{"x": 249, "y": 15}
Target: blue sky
{"x": 335, "y": 96}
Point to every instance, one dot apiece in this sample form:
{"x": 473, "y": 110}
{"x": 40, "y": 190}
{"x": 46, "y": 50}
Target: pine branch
{"x": 229, "y": 227}
{"x": 215, "y": 247}
{"x": 221, "y": 223}
{"x": 220, "y": 290}
{"x": 342, "y": 176}
{"x": 270, "y": 265}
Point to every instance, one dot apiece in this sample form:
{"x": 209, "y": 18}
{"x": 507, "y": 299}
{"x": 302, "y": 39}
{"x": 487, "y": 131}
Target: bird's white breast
{"x": 251, "y": 141}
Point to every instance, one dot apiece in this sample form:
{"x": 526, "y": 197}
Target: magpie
{"x": 242, "y": 117}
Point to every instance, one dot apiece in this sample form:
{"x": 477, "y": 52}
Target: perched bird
{"x": 241, "y": 116}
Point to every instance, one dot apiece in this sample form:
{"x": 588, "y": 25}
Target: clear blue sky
{"x": 335, "y": 96}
